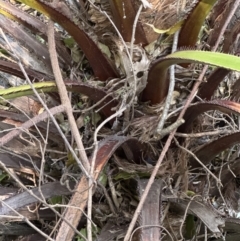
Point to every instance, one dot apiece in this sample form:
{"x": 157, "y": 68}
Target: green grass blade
{"x": 226, "y": 61}
{"x": 157, "y": 83}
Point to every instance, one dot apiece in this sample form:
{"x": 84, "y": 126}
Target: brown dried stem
{"x": 64, "y": 96}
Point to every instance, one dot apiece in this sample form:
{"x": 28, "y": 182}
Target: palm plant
{"x": 127, "y": 102}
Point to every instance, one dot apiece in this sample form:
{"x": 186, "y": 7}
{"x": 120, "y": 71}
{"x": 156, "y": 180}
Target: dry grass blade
{"x": 13, "y": 68}
{"x": 35, "y": 25}
{"x": 149, "y": 220}
{"x": 210, "y": 218}
{"x": 210, "y": 150}
{"x": 25, "y": 198}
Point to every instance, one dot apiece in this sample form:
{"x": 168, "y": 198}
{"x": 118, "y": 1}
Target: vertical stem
{"x": 64, "y": 96}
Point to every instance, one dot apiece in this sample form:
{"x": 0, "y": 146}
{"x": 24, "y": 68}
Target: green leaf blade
{"x": 226, "y": 61}
{"x": 157, "y": 83}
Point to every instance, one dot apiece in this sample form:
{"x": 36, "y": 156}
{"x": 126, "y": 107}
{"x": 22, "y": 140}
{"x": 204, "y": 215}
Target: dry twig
{"x": 64, "y": 96}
